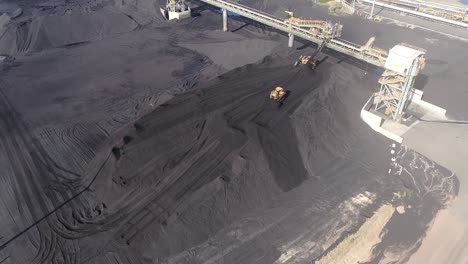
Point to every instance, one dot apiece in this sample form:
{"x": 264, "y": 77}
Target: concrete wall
{"x": 375, "y": 122}
{"x": 180, "y": 15}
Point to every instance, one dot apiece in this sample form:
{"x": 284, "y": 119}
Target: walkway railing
{"x": 342, "y": 46}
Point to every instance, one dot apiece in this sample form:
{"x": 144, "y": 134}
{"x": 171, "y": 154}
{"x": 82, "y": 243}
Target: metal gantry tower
{"x": 396, "y": 83}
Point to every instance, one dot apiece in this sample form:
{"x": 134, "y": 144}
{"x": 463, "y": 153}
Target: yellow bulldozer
{"x": 309, "y": 60}
{"x": 278, "y": 94}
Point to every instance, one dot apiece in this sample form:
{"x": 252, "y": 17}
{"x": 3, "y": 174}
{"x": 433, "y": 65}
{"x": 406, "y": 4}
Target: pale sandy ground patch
{"x": 447, "y": 239}
{"x": 358, "y": 246}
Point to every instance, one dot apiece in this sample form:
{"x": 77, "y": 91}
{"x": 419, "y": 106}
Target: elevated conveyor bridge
{"x": 402, "y": 63}
{"x": 342, "y": 46}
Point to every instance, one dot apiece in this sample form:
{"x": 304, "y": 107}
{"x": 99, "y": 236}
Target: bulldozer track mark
{"x": 160, "y": 188}
{"x": 30, "y": 171}
{"x": 175, "y": 185}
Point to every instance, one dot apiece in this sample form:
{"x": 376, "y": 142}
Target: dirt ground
{"x": 143, "y": 141}
{"x": 446, "y": 241}
{"x": 445, "y": 143}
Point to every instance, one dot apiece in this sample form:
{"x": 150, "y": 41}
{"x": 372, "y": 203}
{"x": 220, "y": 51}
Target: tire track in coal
{"x": 148, "y": 217}
{"x": 156, "y": 192}
{"x": 45, "y": 217}
{"x": 14, "y": 140}
{"x": 273, "y": 127}
{"x": 187, "y": 184}
{"x": 176, "y": 156}
{"x": 30, "y": 170}
{"x": 182, "y": 185}
{"x": 143, "y": 221}
{"x": 177, "y": 183}
{"x": 76, "y": 148}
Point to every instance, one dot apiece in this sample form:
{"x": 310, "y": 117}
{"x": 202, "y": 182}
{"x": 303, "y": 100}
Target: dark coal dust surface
{"x": 126, "y": 139}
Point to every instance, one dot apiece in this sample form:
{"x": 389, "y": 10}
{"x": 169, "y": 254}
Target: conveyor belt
{"x": 346, "y": 47}
{"x": 417, "y": 13}
{"x": 418, "y": 3}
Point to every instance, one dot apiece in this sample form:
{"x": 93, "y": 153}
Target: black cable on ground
{"x": 459, "y": 122}
{"x": 3, "y": 246}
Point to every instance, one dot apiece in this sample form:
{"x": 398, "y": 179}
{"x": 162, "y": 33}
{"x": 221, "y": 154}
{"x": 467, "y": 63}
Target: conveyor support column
{"x": 225, "y": 20}
{"x": 291, "y": 40}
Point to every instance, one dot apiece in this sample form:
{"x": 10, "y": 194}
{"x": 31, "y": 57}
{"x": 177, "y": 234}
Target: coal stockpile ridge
{"x": 209, "y": 158}
{"x": 219, "y": 174}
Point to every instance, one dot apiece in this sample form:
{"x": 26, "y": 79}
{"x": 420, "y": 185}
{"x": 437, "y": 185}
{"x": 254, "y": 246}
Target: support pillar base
{"x": 291, "y": 40}
{"x": 225, "y": 20}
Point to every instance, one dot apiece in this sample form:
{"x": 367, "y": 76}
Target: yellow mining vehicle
{"x": 309, "y": 60}
{"x": 278, "y": 94}
{"x": 378, "y": 18}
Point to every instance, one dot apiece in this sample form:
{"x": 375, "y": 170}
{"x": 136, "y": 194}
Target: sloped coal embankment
{"x": 210, "y": 157}
{"x": 223, "y": 175}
